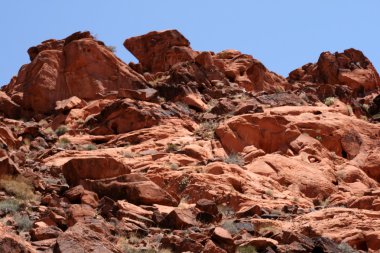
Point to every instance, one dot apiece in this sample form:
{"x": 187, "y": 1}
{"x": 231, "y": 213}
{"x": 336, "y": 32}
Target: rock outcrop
{"x": 350, "y": 68}
{"x": 60, "y": 69}
{"x": 187, "y": 151}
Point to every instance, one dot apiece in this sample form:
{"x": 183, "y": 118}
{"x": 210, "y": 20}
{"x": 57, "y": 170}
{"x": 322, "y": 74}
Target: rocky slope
{"x": 187, "y": 151}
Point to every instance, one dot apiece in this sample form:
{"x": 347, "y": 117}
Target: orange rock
{"x": 158, "y": 51}
{"x": 8, "y": 107}
{"x": 248, "y": 72}
{"x": 84, "y": 238}
{"x": 179, "y": 219}
{"x": 43, "y": 233}
{"x": 10, "y": 242}
{"x": 210, "y": 247}
{"x": 70, "y": 67}
{"x": 310, "y": 179}
{"x": 373, "y": 240}
{"x": 349, "y": 68}
{"x": 78, "y": 213}
{"x": 8, "y": 167}
{"x": 7, "y": 139}
{"x": 131, "y": 208}
{"x": 261, "y": 243}
{"x": 134, "y": 188}
{"x": 127, "y": 115}
{"x": 195, "y": 101}
{"x": 77, "y": 169}
{"x": 70, "y": 103}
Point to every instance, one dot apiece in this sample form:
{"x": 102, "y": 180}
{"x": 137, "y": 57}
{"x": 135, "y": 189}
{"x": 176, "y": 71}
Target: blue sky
{"x": 282, "y": 34}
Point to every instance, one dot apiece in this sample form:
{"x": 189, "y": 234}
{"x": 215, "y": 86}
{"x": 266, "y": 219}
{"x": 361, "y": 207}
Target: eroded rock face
{"x": 200, "y": 152}
{"x": 248, "y": 72}
{"x": 133, "y": 187}
{"x": 60, "y": 69}
{"x": 350, "y": 68}
{"x": 127, "y": 115}
{"x": 8, "y": 107}
{"x": 92, "y": 167}
{"x": 83, "y": 238}
{"x": 158, "y": 51}
{"x": 10, "y": 242}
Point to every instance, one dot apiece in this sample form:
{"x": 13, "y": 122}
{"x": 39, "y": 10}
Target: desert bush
{"x": 23, "y": 222}
{"x": 278, "y": 89}
{"x": 90, "y": 147}
{"x": 61, "y": 130}
{"x": 206, "y": 130}
{"x": 125, "y": 245}
{"x": 225, "y": 210}
{"x": 183, "y": 183}
{"x": 128, "y": 154}
{"x": 9, "y": 206}
{"x": 269, "y": 192}
{"x": 234, "y": 159}
{"x": 63, "y": 142}
{"x": 345, "y": 248}
{"x": 263, "y": 230}
{"x": 329, "y": 101}
{"x": 229, "y": 225}
{"x": 19, "y": 187}
{"x": 171, "y": 147}
{"x": 246, "y": 249}
{"x": 48, "y": 131}
{"x": 325, "y": 203}
{"x": 112, "y": 49}
{"x": 173, "y": 166}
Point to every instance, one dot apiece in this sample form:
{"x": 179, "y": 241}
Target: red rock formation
{"x": 60, "y": 69}
{"x": 349, "y": 68}
{"x": 187, "y": 151}
{"x": 158, "y": 51}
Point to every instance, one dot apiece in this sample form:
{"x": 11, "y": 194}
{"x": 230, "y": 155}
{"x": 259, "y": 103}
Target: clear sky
{"x": 284, "y": 35}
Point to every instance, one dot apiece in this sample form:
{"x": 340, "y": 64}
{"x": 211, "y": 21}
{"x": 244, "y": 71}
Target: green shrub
{"x": 9, "y": 206}
{"x": 183, "y": 183}
{"x": 173, "y": 166}
{"x": 246, "y": 249}
{"x": 230, "y": 226}
{"x": 63, "y": 142}
{"x": 128, "y": 154}
{"x": 345, "y": 248}
{"x": 269, "y": 192}
{"x": 225, "y": 210}
{"x": 235, "y": 159}
{"x": 171, "y": 147}
{"x": 22, "y": 222}
{"x": 90, "y": 147}
{"x": 61, "y": 130}
{"x": 329, "y": 101}
{"x": 19, "y": 187}
{"x": 206, "y": 130}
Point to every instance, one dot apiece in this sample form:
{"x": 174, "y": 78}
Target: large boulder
{"x": 134, "y": 188}
{"x": 10, "y": 242}
{"x": 8, "y": 167}
{"x": 122, "y": 116}
{"x": 84, "y": 167}
{"x": 7, "y": 139}
{"x": 349, "y": 68}
{"x": 84, "y": 237}
{"x": 8, "y": 107}
{"x": 248, "y": 72}
{"x": 78, "y": 66}
{"x": 158, "y": 51}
